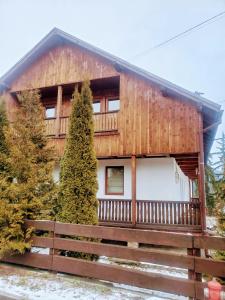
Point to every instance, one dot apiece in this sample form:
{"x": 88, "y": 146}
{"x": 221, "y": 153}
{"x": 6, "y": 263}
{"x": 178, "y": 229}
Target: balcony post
{"x": 201, "y": 175}
{"x": 133, "y": 187}
{"x": 58, "y": 110}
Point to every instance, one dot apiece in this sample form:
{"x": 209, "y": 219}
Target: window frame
{"x": 50, "y": 107}
{"x": 97, "y": 100}
{"x": 107, "y": 104}
{"x": 106, "y": 180}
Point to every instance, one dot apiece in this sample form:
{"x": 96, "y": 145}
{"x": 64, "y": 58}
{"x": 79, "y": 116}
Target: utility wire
{"x": 210, "y": 20}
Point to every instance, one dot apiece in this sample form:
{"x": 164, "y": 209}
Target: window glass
{"x": 115, "y": 180}
{"x": 96, "y": 107}
{"x": 50, "y": 112}
{"x": 113, "y": 104}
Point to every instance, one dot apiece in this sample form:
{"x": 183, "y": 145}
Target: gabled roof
{"x": 211, "y": 110}
{"x": 57, "y": 36}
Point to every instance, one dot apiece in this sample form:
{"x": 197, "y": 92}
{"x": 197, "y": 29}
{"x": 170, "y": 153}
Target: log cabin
{"x": 152, "y": 137}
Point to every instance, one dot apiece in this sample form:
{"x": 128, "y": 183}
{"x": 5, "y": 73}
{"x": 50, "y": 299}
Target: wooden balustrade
{"x": 114, "y": 211}
{"x": 50, "y": 126}
{"x": 106, "y": 121}
{"x": 150, "y": 212}
{"x": 102, "y": 122}
{"x": 64, "y": 124}
{"x": 168, "y": 212}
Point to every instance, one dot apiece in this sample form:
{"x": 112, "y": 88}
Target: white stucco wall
{"x": 56, "y": 172}
{"x": 156, "y": 179}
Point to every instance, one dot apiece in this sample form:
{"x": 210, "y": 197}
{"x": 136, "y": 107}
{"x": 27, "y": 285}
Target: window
{"x": 114, "y": 181}
{"x": 50, "y": 112}
{"x": 113, "y": 104}
{"x": 96, "y": 107}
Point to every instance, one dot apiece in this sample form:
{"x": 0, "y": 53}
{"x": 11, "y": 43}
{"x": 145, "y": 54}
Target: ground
{"x": 32, "y": 284}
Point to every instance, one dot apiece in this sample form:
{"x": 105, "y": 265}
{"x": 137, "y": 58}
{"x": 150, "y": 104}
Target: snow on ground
{"x": 211, "y": 223}
{"x": 40, "y": 250}
{"x": 31, "y": 284}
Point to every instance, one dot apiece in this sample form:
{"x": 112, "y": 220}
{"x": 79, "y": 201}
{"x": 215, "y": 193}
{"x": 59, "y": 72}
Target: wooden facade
{"x": 151, "y": 121}
{"x": 147, "y": 123}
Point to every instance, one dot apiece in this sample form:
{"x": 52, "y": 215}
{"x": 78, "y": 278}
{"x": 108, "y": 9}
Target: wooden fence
{"x": 195, "y": 265}
{"x": 176, "y": 214}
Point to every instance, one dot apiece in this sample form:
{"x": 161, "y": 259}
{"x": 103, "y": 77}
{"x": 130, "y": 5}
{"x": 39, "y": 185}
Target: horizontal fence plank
{"x": 36, "y": 260}
{"x": 209, "y": 242}
{"x": 140, "y": 255}
{"x": 209, "y": 266}
{"x": 122, "y": 275}
{"x": 41, "y": 224}
{"x": 125, "y": 234}
{"x": 44, "y": 242}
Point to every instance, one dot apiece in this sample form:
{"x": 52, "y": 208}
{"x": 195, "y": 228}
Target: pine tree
{"x": 220, "y": 193}
{"x": 210, "y": 182}
{"x": 27, "y": 188}
{"x": 78, "y": 181}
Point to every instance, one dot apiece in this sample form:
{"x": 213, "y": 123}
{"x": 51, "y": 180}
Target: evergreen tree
{"x": 3, "y": 147}
{"x": 220, "y": 193}
{"x": 210, "y": 183}
{"x": 3, "y": 124}
{"x": 27, "y": 188}
{"x": 78, "y": 180}
{"x": 220, "y": 184}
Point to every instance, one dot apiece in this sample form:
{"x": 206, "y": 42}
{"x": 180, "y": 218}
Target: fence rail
{"x": 57, "y": 241}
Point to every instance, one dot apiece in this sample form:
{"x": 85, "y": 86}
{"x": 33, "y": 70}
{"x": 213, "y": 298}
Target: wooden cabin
{"x": 151, "y": 136}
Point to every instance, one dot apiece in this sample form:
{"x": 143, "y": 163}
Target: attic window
{"x": 50, "y": 112}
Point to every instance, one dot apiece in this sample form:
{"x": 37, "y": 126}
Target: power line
{"x": 210, "y": 20}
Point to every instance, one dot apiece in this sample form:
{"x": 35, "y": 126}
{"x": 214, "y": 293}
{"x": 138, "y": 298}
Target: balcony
{"x": 103, "y": 123}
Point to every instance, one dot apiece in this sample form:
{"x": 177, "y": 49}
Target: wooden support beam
{"x": 201, "y": 175}
{"x": 58, "y": 110}
{"x": 133, "y": 187}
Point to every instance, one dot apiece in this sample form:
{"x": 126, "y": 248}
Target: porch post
{"x": 58, "y": 110}
{"x": 201, "y": 175}
{"x": 133, "y": 187}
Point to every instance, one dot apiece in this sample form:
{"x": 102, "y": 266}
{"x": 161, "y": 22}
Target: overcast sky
{"x": 127, "y": 28}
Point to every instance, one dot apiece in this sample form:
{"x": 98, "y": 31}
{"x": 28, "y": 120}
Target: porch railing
{"x": 150, "y": 212}
{"x": 102, "y": 122}
{"x": 114, "y": 211}
{"x": 167, "y": 212}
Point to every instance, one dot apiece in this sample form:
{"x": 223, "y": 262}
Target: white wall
{"x": 156, "y": 179}
{"x": 56, "y": 172}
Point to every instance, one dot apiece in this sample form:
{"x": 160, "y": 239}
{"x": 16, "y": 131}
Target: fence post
{"x": 52, "y": 250}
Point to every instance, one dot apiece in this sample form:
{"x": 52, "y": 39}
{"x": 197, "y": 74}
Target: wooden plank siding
{"x": 148, "y": 122}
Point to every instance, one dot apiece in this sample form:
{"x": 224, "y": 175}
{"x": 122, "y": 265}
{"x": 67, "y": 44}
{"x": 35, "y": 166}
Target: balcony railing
{"x": 50, "y": 126}
{"x": 169, "y": 213}
{"x": 103, "y": 122}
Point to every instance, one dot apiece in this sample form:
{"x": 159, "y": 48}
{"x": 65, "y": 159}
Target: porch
{"x": 149, "y": 214}
{"x": 152, "y": 193}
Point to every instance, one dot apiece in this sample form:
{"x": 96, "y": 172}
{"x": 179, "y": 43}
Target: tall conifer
{"x": 27, "y": 188}
{"x": 78, "y": 183}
